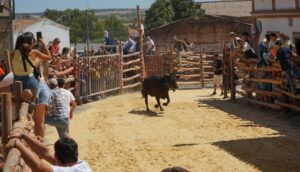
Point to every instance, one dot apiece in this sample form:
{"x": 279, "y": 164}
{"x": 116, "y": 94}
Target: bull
{"x": 159, "y": 87}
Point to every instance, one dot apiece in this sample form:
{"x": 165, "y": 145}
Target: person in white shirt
{"x": 64, "y": 159}
{"x": 68, "y": 98}
{"x": 106, "y": 36}
{"x": 150, "y": 46}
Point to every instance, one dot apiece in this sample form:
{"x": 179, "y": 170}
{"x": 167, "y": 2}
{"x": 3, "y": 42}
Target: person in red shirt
{"x": 55, "y": 47}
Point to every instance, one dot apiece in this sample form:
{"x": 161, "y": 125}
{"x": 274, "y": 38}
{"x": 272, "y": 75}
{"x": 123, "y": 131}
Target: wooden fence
{"x": 96, "y": 75}
{"x": 264, "y": 85}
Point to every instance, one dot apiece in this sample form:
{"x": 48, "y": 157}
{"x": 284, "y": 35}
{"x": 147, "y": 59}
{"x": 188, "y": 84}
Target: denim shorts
{"x": 42, "y": 90}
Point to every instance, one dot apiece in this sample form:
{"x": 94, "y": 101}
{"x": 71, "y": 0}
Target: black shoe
{"x": 214, "y": 93}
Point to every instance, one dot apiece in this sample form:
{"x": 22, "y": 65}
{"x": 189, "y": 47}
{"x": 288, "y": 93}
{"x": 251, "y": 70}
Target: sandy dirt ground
{"x": 195, "y": 131}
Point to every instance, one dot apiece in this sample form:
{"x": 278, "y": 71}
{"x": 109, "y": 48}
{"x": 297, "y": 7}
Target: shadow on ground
{"x": 146, "y": 113}
{"x": 279, "y": 152}
{"x": 275, "y": 154}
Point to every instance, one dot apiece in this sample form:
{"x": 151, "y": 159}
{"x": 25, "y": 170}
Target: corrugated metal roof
{"x": 233, "y": 8}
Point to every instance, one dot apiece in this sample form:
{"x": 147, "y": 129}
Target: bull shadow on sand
{"x": 276, "y": 152}
{"x": 146, "y": 113}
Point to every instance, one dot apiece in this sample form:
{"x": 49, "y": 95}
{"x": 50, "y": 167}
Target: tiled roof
{"x": 231, "y": 8}
{"x": 20, "y": 24}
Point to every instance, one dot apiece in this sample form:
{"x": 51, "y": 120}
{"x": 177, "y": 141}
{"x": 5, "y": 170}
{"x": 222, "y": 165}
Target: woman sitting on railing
{"x": 25, "y": 65}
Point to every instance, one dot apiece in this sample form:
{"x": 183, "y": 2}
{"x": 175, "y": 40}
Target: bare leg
{"x": 39, "y": 119}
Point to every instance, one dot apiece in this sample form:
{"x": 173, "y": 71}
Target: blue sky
{"x": 41, "y": 5}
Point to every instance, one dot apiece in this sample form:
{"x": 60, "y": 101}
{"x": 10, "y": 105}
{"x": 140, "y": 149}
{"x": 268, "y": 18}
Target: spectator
{"x": 55, "y": 47}
{"x": 68, "y": 98}
{"x": 130, "y": 45}
{"x": 137, "y": 35}
{"x": 5, "y": 66}
{"x": 25, "y": 64}
{"x": 66, "y": 57}
{"x": 64, "y": 158}
{"x": 233, "y": 40}
{"x": 218, "y": 75}
{"x": 150, "y": 46}
{"x": 274, "y": 39}
{"x": 286, "y": 42}
{"x": 284, "y": 56}
{"x": 179, "y": 47}
{"x": 106, "y": 36}
{"x": 263, "y": 51}
{"x": 58, "y": 115}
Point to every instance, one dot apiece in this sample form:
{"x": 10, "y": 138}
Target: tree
{"x": 185, "y": 8}
{"x": 116, "y": 28}
{"x": 161, "y": 12}
{"x": 76, "y": 20}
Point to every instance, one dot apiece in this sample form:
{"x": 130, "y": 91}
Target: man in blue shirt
{"x": 284, "y": 56}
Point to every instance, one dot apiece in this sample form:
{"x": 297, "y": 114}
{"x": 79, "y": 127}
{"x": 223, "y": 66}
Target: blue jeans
{"x": 61, "y": 125}
{"x": 290, "y": 81}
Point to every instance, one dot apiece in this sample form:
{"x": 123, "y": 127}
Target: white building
{"x": 278, "y": 16}
{"x": 50, "y": 30}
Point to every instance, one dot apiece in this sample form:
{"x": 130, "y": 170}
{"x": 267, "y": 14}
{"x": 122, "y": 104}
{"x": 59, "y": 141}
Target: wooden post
{"x": 139, "y": 18}
{"x": 171, "y": 59}
{"x": 201, "y": 69}
{"x": 9, "y": 61}
{"x": 76, "y": 76}
{"x": 121, "y": 67}
{"x": 225, "y": 74}
{"x": 6, "y": 116}
{"x": 46, "y": 70}
{"x": 19, "y": 89}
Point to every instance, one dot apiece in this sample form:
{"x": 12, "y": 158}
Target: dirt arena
{"x": 195, "y": 131}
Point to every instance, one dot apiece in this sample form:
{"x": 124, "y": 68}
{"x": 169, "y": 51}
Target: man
{"x": 65, "y": 158}
{"x": 58, "y": 114}
{"x": 68, "y": 98}
{"x": 286, "y": 42}
{"x": 150, "y": 46}
{"x": 284, "y": 56}
{"x": 218, "y": 75}
{"x": 179, "y": 47}
{"x": 106, "y": 36}
{"x": 263, "y": 51}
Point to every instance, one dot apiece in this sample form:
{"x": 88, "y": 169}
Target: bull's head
{"x": 172, "y": 81}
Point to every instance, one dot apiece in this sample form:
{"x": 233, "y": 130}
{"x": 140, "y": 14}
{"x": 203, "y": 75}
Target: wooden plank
{"x": 261, "y": 92}
{"x": 289, "y": 94}
{"x": 6, "y": 118}
{"x": 132, "y": 69}
{"x": 287, "y": 105}
{"x": 270, "y": 105}
{"x": 269, "y": 81}
{"x": 132, "y": 85}
{"x": 262, "y": 69}
{"x": 131, "y": 78}
{"x": 131, "y": 55}
{"x": 189, "y": 83}
{"x": 132, "y": 62}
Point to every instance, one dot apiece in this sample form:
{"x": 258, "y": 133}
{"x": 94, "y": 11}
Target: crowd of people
{"x": 274, "y": 48}
{"x": 54, "y": 105}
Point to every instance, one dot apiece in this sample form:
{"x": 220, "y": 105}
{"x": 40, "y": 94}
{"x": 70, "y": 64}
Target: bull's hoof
{"x": 165, "y": 104}
{"x": 156, "y": 106}
{"x": 147, "y": 109}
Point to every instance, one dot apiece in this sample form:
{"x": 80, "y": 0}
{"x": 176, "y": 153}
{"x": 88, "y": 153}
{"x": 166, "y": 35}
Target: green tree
{"x": 116, "y": 28}
{"x": 185, "y": 8}
{"x": 76, "y": 20}
{"x": 161, "y": 12}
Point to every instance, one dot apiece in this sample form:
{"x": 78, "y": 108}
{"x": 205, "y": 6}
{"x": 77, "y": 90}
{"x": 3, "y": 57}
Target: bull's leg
{"x": 168, "y": 100}
{"x": 146, "y": 102}
{"x": 158, "y": 104}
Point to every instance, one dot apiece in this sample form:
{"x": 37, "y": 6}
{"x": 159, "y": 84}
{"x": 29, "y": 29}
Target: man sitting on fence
{"x": 150, "y": 46}
{"x": 65, "y": 158}
{"x": 218, "y": 75}
{"x": 58, "y": 114}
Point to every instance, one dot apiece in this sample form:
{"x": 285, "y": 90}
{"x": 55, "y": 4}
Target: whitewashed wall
{"x": 263, "y": 4}
{"x": 280, "y": 25}
{"x": 50, "y": 30}
{"x": 285, "y": 4}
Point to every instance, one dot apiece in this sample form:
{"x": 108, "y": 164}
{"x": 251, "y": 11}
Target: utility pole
{"x": 87, "y": 31}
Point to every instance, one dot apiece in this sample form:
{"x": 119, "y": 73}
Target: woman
{"x": 66, "y": 56}
{"x": 24, "y": 61}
